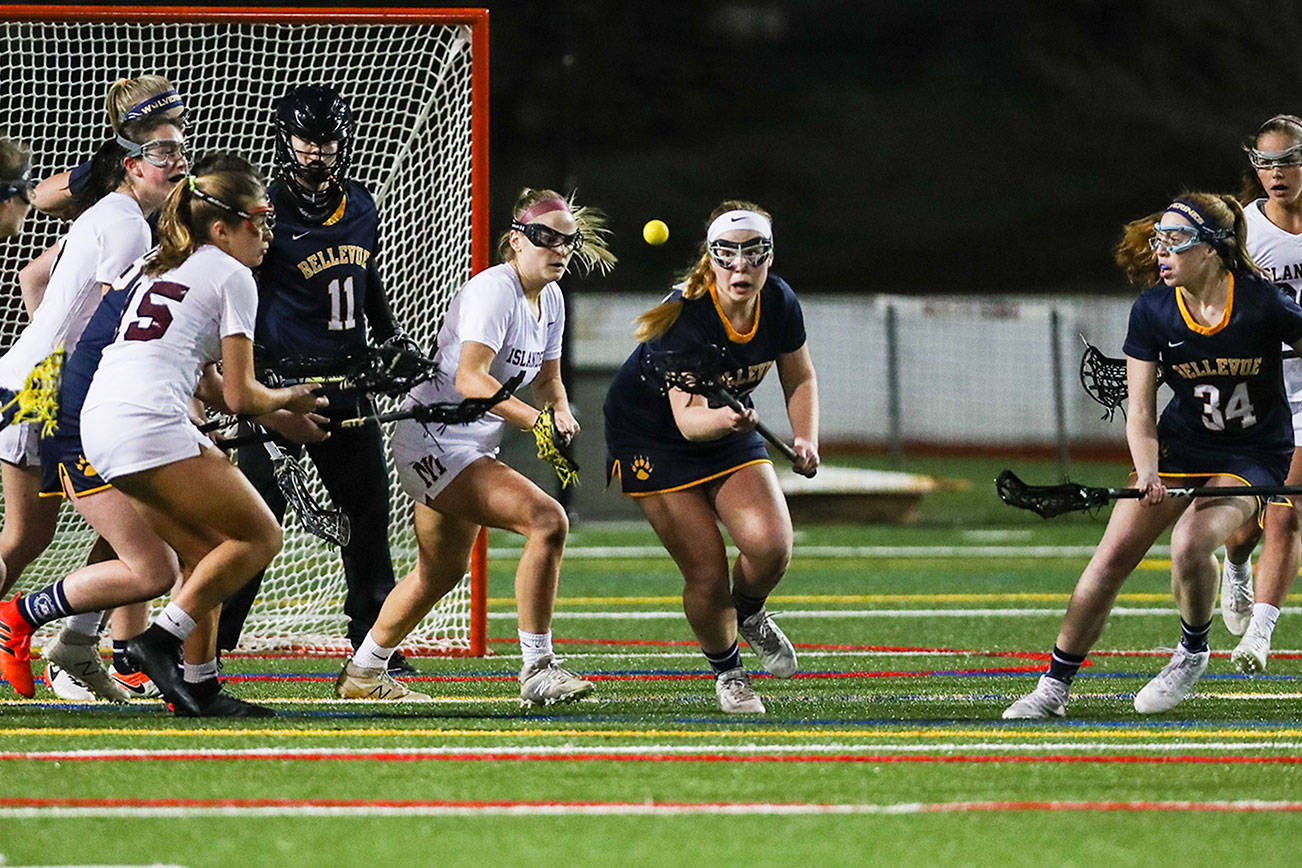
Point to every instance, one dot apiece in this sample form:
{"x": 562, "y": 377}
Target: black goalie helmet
{"x": 318, "y": 115}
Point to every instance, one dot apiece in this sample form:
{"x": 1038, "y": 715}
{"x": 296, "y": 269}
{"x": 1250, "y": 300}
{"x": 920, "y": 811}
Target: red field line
{"x": 599, "y": 756}
{"x": 685, "y": 676}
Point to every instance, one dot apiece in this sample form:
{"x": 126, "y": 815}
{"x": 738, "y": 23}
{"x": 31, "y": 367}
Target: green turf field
{"x": 888, "y": 747}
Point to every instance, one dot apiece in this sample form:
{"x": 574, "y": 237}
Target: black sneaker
{"x": 216, "y": 702}
{"x": 400, "y": 665}
{"x": 157, "y": 653}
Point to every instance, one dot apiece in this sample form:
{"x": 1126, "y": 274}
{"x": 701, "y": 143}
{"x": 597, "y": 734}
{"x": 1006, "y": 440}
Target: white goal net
{"x": 417, "y": 83}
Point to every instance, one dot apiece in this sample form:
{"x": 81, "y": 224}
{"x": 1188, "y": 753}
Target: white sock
{"x": 87, "y": 623}
{"x": 1264, "y": 616}
{"x": 535, "y": 646}
{"x": 197, "y": 672}
{"x": 175, "y": 621}
{"x": 372, "y": 655}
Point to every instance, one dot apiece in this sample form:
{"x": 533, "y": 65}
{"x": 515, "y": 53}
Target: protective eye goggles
{"x": 156, "y": 152}
{"x": 1290, "y": 158}
{"x": 261, "y": 218}
{"x": 22, "y": 186}
{"x": 540, "y": 235}
{"x": 729, "y": 254}
{"x": 1175, "y": 238}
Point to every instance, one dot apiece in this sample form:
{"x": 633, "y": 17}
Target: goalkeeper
{"x": 319, "y": 295}
{"x": 506, "y": 321}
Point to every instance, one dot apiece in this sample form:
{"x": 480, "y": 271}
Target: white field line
{"x": 805, "y": 653}
{"x": 858, "y": 748}
{"x": 627, "y": 809}
{"x": 838, "y": 552}
{"x": 1124, "y": 611}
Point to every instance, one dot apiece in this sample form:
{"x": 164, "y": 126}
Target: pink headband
{"x": 537, "y": 209}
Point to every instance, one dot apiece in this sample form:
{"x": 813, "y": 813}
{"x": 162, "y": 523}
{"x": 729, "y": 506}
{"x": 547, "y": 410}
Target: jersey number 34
{"x": 1237, "y": 406}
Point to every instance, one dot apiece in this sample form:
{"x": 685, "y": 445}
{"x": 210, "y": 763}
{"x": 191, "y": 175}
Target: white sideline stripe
{"x": 865, "y": 748}
{"x": 832, "y": 552}
{"x": 785, "y": 614}
{"x": 610, "y": 809}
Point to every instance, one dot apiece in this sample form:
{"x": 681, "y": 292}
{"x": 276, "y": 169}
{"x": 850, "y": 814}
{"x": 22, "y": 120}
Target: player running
{"x": 505, "y": 322}
{"x": 690, "y": 466}
{"x": 1215, "y": 325}
{"x": 1251, "y": 609}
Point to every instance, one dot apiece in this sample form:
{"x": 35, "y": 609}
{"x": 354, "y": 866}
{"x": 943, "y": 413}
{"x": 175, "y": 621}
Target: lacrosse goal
{"x": 417, "y": 80}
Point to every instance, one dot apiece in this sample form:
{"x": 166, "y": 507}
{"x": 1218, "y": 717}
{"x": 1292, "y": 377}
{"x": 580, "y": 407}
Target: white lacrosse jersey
{"x": 102, "y": 242}
{"x": 1279, "y": 254}
{"x": 491, "y": 309}
{"x": 172, "y": 326}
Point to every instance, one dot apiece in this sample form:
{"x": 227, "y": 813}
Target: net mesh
{"x": 410, "y": 86}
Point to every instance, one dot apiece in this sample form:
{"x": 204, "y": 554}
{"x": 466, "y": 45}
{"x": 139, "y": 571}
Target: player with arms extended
{"x": 1215, "y": 326}
{"x": 320, "y": 296}
{"x": 690, "y": 465}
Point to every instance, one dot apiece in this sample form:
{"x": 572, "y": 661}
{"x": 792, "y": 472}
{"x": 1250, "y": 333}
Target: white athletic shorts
{"x": 20, "y": 445}
{"x": 118, "y": 439}
{"x": 427, "y": 463}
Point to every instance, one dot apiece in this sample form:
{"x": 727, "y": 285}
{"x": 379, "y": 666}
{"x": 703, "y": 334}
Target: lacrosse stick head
{"x": 1104, "y": 379}
{"x": 468, "y": 409}
{"x": 394, "y": 368}
{"x": 697, "y": 371}
{"x": 1048, "y": 501}
{"x": 330, "y": 525}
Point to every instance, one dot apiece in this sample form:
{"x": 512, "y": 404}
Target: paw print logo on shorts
{"x": 641, "y": 467}
{"x": 83, "y": 466}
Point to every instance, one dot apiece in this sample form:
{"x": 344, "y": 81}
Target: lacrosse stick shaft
{"x": 1211, "y": 491}
{"x": 778, "y": 443}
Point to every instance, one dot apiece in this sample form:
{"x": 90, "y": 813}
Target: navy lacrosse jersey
{"x": 646, "y": 448}
{"x": 1227, "y": 378}
{"x": 312, "y": 284}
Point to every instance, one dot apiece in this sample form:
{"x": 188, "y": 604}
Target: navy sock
{"x": 1194, "y": 639}
{"x": 1063, "y": 665}
{"x": 730, "y": 659}
{"x": 746, "y": 604}
{"x": 120, "y": 662}
{"x": 43, "y": 606}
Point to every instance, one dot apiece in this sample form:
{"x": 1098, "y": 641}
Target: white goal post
{"x": 417, "y": 81}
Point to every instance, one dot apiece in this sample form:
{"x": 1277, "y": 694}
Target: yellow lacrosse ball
{"x": 655, "y": 232}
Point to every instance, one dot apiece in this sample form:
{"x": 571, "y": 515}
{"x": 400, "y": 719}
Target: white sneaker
{"x": 1236, "y": 596}
{"x": 1048, "y": 699}
{"x": 355, "y": 682}
{"x": 546, "y": 682}
{"x": 65, "y": 686}
{"x": 765, "y": 638}
{"x": 1174, "y": 684}
{"x": 136, "y": 684}
{"x": 78, "y": 655}
{"x": 1250, "y": 655}
{"x": 735, "y": 693}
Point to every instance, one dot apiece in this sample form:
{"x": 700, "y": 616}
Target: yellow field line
{"x": 1013, "y": 732}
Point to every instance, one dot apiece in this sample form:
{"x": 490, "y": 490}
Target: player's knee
{"x": 548, "y": 522}
{"x": 1189, "y": 550}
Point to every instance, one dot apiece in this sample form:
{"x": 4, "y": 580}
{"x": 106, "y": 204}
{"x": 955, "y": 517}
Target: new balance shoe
{"x": 157, "y": 653}
{"x": 16, "y": 649}
{"x": 1048, "y": 699}
{"x": 136, "y": 684}
{"x": 546, "y": 682}
{"x": 1252, "y": 651}
{"x": 78, "y": 655}
{"x": 65, "y": 686}
{"x": 356, "y": 682}
{"x": 735, "y": 693}
{"x": 1236, "y": 596}
{"x": 777, "y": 654}
{"x": 214, "y": 701}
{"x": 1174, "y": 684}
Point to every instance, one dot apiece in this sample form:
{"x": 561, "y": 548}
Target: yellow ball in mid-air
{"x": 655, "y": 232}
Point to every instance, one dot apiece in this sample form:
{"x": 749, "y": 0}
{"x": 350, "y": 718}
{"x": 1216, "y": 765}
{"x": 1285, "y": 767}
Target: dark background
{"x": 927, "y": 146}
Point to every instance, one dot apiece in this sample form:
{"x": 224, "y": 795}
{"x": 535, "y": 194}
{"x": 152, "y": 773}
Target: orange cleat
{"x": 15, "y": 649}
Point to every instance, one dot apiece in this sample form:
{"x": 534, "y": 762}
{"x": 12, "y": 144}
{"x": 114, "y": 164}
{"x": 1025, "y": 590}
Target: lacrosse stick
{"x": 389, "y": 370}
{"x": 444, "y": 412}
{"x": 330, "y": 525}
{"x": 700, "y": 372}
{"x": 1048, "y": 501}
{"x": 554, "y": 447}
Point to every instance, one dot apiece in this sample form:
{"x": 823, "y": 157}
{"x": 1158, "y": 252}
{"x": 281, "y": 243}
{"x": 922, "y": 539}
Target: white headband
{"x": 730, "y": 220}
